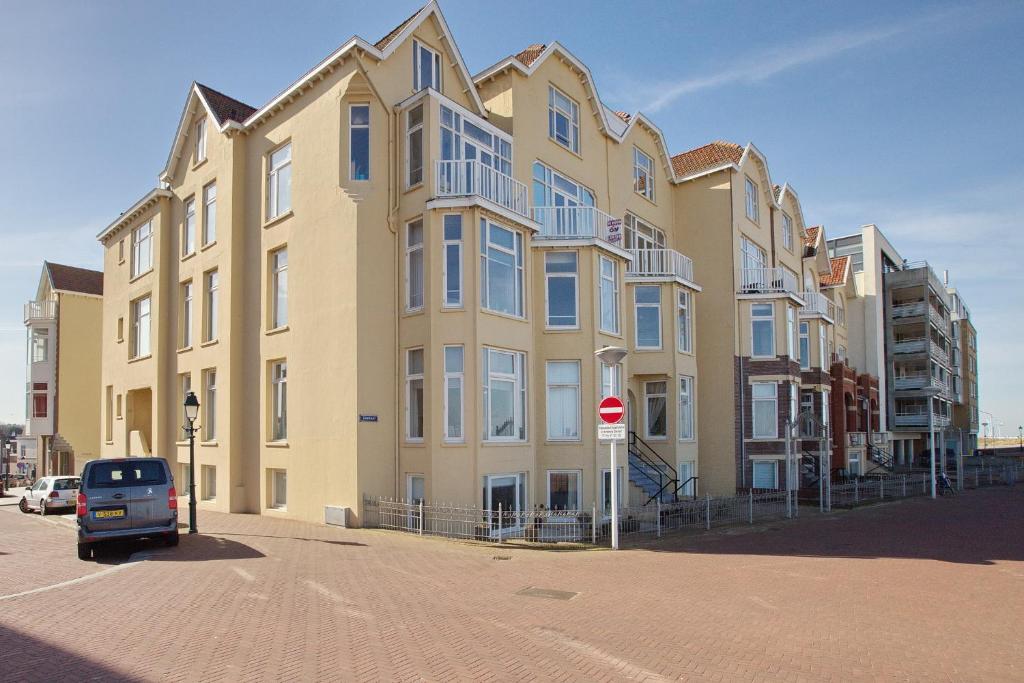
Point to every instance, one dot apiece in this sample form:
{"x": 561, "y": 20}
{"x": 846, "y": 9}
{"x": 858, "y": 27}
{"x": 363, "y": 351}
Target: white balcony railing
{"x": 915, "y": 418}
{"x": 660, "y": 263}
{"x": 767, "y": 280}
{"x": 467, "y": 178}
{"x": 918, "y": 380}
{"x": 577, "y": 222}
{"x": 40, "y": 310}
{"x": 910, "y": 345}
{"x": 817, "y": 304}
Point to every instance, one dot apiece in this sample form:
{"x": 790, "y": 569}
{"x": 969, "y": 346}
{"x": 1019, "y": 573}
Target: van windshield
{"x": 108, "y": 475}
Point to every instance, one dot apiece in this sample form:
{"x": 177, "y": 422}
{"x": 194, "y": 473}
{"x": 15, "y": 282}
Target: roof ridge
{"x": 225, "y": 107}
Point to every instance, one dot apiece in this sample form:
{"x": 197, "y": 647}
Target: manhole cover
{"x": 534, "y": 592}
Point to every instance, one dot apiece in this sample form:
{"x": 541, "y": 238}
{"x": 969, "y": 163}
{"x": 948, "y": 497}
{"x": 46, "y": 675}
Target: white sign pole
{"x": 615, "y": 500}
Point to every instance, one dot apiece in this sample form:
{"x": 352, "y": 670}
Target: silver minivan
{"x": 123, "y": 498}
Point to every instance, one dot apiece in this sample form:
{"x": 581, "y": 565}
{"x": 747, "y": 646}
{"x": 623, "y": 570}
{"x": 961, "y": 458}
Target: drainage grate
{"x": 534, "y": 592}
{"x": 502, "y": 557}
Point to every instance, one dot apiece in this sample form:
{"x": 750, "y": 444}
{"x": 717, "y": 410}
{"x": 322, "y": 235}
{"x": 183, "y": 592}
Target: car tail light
{"x": 172, "y": 499}
{"x": 54, "y": 494}
{"x": 80, "y": 510}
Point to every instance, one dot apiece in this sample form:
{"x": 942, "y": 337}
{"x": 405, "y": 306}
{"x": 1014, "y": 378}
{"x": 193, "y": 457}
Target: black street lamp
{"x": 191, "y": 413}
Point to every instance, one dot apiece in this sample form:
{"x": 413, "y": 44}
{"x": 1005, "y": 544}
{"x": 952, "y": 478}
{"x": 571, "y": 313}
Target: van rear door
{"x": 150, "y": 485}
{"x": 108, "y": 495}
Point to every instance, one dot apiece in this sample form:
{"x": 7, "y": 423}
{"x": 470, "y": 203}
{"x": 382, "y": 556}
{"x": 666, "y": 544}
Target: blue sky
{"x": 902, "y": 114}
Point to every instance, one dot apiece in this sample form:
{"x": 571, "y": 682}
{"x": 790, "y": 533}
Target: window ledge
{"x": 278, "y": 218}
{"x": 277, "y": 330}
{"x": 121, "y": 340}
{"x": 109, "y": 443}
{"x": 563, "y": 442}
{"x": 140, "y": 358}
{"x": 649, "y": 200}
{"x": 274, "y": 509}
{"x": 504, "y": 444}
{"x": 453, "y": 443}
{"x": 507, "y": 316}
{"x": 276, "y": 444}
{"x": 557, "y": 330}
{"x": 568, "y": 149}
{"x": 413, "y": 188}
{"x": 209, "y": 443}
{"x": 208, "y": 245}
{"x": 120, "y": 262}
{"x": 187, "y": 256}
{"x": 181, "y": 443}
{"x": 208, "y": 343}
{"x": 200, "y": 163}
{"x": 140, "y": 276}
{"x": 183, "y": 349}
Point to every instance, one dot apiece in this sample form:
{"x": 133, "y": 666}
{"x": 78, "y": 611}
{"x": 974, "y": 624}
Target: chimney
{"x": 945, "y": 277}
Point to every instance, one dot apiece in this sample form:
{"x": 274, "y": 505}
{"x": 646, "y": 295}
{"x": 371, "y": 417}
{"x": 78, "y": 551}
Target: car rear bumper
{"x": 85, "y": 536}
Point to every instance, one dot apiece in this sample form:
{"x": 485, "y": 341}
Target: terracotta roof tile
{"x": 838, "y": 274}
{"x": 624, "y": 115}
{"x": 225, "y": 108}
{"x": 811, "y": 236}
{"x": 72, "y": 279}
{"x": 710, "y": 155}
{"x": 777, "y": 189}
{"x": 530, "y": 54}
{"x": 387, "y": 40}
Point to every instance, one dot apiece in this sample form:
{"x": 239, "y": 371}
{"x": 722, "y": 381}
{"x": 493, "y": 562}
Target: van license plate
{"x": 106, "y": 514}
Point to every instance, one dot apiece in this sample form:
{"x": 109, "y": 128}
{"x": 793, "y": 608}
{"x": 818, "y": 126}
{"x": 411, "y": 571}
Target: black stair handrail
{"x": 635, "y": 439}
{"x": 667, "y": 480}
{"x": 646, "y": 473}
{"x": 694, "y": 480}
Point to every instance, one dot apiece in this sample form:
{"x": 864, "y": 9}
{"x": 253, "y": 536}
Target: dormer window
{"x": 201, "y": 140}
{"x": 426, "y": 67}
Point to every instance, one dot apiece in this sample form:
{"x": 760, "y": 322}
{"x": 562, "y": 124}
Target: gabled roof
{"x": 624, "y": 115}
{"x": 530, "y": 54}
{"x": 712, "y": 155}
{"x": 840, "y": 268}
{"x": 222, "y": 107}
{"x": 395, "y": 32}
{"x": 74, "y": 279}
{"x": 810, "y": 236}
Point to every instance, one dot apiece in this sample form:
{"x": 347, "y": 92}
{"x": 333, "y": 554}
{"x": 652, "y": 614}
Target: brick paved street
{"x": 912, "y": 590}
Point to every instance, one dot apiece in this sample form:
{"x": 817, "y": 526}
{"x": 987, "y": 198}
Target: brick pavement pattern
{"x": 910, "y": 590}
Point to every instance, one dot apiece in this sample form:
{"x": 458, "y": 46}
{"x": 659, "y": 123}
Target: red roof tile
{"x": 838, "y": 274}
{"x": 710, "y": 155}
{"x": 530, "y": 54}
{"x": 778, "y": 192}
{"x": 624, "y": 115}
{"x": 811, "y": 236}
{"x": 225, "y": 108}
{"x": 72, "y": 279}
{"x": 387, "y": 40}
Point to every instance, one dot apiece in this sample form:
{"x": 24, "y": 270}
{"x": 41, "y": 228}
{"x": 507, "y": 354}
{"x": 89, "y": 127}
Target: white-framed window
{"x": 426, "y": 67}
{"x": 209, "y": 482}
{"x": 765, "y": 474}
{"x": 561, "y": 289}
{"x": 279, "y": 288}
{"x": 647, "y": 307}
{"x": 279, "y": 400}
{"x": 790, "y": 331}
{"x": 414, "y": 146}
{"x": 414, "y": 265}
{"x": 565, "y": 197}
{"x": 140, "y": 342}
{"x": 188, "y": 230}
{"x": 212, "y": 279}
{"x": 822, "y": 362}
{"x": 564, "y": 489}
{"x": 643, "y": 174}
{"x": 642, "y": 235}
{"x": 656, "y": 409}
{"x": 685, "y": 408}
{"x": 209, "y": 404}
{"x": 563, "y": 119}
{"x": 452, "y": 265}
{"x": 200, "y": 149}
{"x": 563, "y": 380}
{"x": 609, "y": 286}
{"x": 184, "y": 388}
{"x": 414, "y": 395}
{"x": 501, "y": 269}
{"x": 210, "y": 214}
{"x": 279, "y": 181}
{"x": 108, "y": 414}
{"x": 611, "y": 380}
{"x": 185, "y": 338}
{"x": 507, "y": 491}
{"x": 794, "y": 398}
{"x": 359, "y": 141}
{"x": 684, "y": 322}
{"x": 805, "y": 346}
{"x": 279, "y": 489}
{"x": 40, "y": 344}
{"x": 454, "y": 382}
{"x": 825, "y": 397}
{"x": 606, "y": 490}
{"x": 841, "y": 353}
{"x": 765, "y": 409}
{"x": 807, "y": 406}
{"x": 462, "y": 139}
{"x": 752, "y": 256}
{"x": 504, "y": 397}
{"x": 686, "y": 476}
{"x": 753, "y": 211}
{"x": 762, "y": 330}
{"x": 787, "y": 231}
{"x": 142, "y": 249}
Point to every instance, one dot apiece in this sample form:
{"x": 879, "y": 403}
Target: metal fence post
{"x": 881, "y": 488}
{"x": 796, "y": 502}
{"x": 903, "y": 481}
{"x": 499, "y": 522}
{"x": 421, "y": 517}
{"x": 707, "y": 511}
{"x": 659, "y": 517}
{"x": 856, "y": 492}
{"x": 750, "y": 505}
{"x": 593, "y": 525}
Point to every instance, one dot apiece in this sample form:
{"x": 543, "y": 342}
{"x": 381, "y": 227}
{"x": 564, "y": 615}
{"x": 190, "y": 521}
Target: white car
{"x": 50, "y": 493}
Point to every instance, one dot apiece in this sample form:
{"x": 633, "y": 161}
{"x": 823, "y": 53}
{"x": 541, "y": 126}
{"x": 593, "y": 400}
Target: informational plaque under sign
{"x": 611, "y": 432}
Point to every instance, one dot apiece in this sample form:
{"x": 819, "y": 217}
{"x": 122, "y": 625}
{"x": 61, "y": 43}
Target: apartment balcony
{"x": 470, "y": 178}
{"x": 40, "y": 311}
{"x": 913, "y": 309}
{"x": 938, "y": 352}
{"x": 917, "y": 381}
{"x": 768, "y": 281}
{"x": 919, "y": 419}
{"x": 918, "y": 345}
{"x": 577, "y": 223}
{"x": 817, "y": 304}
{"x": 660, "y": 263}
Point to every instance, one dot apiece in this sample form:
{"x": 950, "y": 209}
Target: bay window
{"x": 561, "y": 288}
{"x": 684, "y": 320}
{"x": 452, "y": 264}
{"x": 414, "y": 265}
{"x": 504, "y": 395}
{"x": 414, "y": 146}
{"x": 762, "y": 330}
{"x": 685, "y": 408}
{"x": 563, "y": 383}
{"x": 655, "y": 410}
{"x": 609, "y": 286}
{"x": 454, "y": 380}
{"x": 765, "y": 409}
{"x": 805, "y": 346}
{"x": 501, "y": 269}
{"x": 647, "y": 305}
{"x": 414, "y": 395}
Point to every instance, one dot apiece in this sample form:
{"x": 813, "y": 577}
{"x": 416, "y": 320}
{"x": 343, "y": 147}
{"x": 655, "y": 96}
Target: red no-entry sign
{"x": 610, "y": 410}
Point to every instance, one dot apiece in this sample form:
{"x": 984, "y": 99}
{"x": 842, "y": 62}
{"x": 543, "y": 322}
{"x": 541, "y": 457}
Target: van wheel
{"x": 171, "y": 539}
{"x": 85, "y": 551}
{"x": 23, "y": 506}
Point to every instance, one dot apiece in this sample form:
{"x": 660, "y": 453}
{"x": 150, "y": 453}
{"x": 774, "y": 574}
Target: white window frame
{"x": 787, "y": 231}
{"x": 753, "y": 210}
{"x": 648, "y": 395}
{"x": 188, "y": 228}
{"x": 821, "y": 346}
{"x": 790, "y": 331}
{"x": 606, "y": 503}
{"x": 637, "y": 305}
{"x": 411, "y": 378}
{"x": 754, "y": 319}
{"x": 414, "y": 176}
{"x": 184, "y": 387}
{"x": 519, "y": 269}
{"x": 611, "y": 380}
{"x": 209, "y": 404}
{"x": 200, "y": 147}
{"x": 608, "y": 284}
{"x": 752, "y": 256}
{"x": 455, "y": 379}
{"x": 826, "y": 396}
{"x": 564, "y": 385}
{"x": 806, "y": 405}
{"x": 642, "y": 235}
{"x": 794, "y": 400}
{"x": 40, "y": 344}
{"x": 773, "y": 400}
{"x": 574, "y": 277}
{"x": 519, "y": 392}
{"x": 142, "y": 327}
{"x": 275, "y": 171}
{"x": 275, "y": 502}
{"x": 571, "y": 115}
{"x": 686, "y": 408}
{"x": 211, "y": 287}
{"x": 643, "y": 169}
{"x": 352, "y": 128}
{"x": 142, "y": 249}
{"x": 209, "y": 214}
{"x": 684, "y": 321}
{"x": 279, "y": 288}
{"x": 452, "y": 284}
{"x": 279, "y": 400}
{"x": 763, "y": 463}
{"x": 187, "y": 290}
{"x": 579, "y": 488}
{"x": 805, "y": 339}
{"x": 435, "y": 67}
{"x": 414, "y": 251}
{"x": 209, "y": 482}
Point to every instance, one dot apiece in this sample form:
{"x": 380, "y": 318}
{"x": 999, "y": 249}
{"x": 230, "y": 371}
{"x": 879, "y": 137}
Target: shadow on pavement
{"x": 41, "y": 660}
{"x": 196, "y": 548}
{"x": 296, "y": 538}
